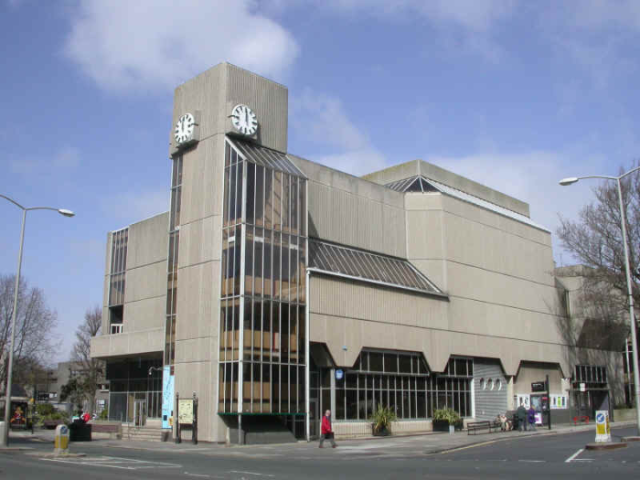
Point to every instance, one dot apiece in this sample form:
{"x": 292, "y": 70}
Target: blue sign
{"x": 339, "y": 374}
{"x": 600, "y": 418}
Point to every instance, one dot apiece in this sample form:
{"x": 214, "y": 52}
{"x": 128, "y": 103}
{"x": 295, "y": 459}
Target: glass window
{"x": 375, "y": 362}
{"x": 390, "y": 363}
{"x": 251, "y": 193}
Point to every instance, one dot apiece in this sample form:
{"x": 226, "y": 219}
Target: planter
{"x": 443, "y": 426}
{"x": 380, "y": 432}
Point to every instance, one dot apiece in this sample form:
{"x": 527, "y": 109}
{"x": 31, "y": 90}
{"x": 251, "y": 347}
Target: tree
{"x": 91, "y": 369}
{"x": 35, "y": 322}
{"x": 595, "y": 239}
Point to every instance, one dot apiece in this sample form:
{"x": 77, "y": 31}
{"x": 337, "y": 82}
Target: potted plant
{"x": 381, "y": 420}
{"x": 446, "y": 420}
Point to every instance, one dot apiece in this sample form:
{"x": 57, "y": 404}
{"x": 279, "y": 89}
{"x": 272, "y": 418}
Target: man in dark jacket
{"x": 521, "y": 415}
{"x": 326, "y": 433}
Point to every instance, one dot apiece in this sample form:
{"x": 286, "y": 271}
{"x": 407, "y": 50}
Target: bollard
{"x": 61, "y": 440}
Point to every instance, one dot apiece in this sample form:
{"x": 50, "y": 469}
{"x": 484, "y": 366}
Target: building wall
{"x": 348, "y": 210}
{"x": 145, "y": 292}
{"x": 498, "y": 275}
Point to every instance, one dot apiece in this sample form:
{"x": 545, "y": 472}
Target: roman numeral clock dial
{"x": 244, "y": 120}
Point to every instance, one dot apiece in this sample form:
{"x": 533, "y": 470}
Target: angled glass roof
{"x": 266, "y": 157}
{"x": 369, "y": 267}
{"x": 419, "y": 183}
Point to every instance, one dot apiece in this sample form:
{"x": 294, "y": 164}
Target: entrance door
{"x": 139, "y": 413}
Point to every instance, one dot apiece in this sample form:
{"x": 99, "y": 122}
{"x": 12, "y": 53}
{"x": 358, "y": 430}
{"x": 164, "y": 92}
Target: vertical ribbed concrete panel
{"x": 214, "y": 94}
{"x": 348, "y": 210}
{"x": 490, "y": 387}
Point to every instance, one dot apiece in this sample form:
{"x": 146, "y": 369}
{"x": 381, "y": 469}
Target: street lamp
{"x": 634, "y": 341}
{"x": 4, "y": 435}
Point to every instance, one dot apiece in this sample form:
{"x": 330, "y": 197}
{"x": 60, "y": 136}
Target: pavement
{"x": 427, "y": 443}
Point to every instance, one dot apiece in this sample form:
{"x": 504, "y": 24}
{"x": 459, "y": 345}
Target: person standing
{"x": 521, "y": 415}
{"x": 531, "y": 417}
{"x": 326, "y": 433}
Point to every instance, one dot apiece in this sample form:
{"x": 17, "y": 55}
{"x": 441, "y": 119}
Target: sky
{"x": 510, "y": 93}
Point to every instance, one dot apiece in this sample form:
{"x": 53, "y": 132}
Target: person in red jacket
{"x": 326, "y": 433}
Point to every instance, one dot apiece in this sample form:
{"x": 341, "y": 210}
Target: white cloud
{"x": 322, "y": 120}
{"x": 148, "y": 45}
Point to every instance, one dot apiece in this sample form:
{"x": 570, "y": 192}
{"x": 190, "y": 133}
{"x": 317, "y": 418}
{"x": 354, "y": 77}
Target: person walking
{"x": 326, "y": 433}
{"x": 521, "y": 415}
{"x": 531, "y": 417}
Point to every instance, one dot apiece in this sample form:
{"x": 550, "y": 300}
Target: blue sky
{"x": 513, "y": 94}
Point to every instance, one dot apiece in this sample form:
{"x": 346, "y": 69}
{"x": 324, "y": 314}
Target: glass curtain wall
{"x": 119, "y": 243}
{"x": 262, "y": 319}
{"x": 400, "y": 380}
{"x": 172, "y": 262}
{"x": 130, "y": 381}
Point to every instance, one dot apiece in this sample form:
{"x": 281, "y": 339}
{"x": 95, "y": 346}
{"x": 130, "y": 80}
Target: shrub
{"x": 448, "y": 414}
{"x": 104, "y": 414}
{"x": 382, "y": 418}
{"x": 44, "y": 409}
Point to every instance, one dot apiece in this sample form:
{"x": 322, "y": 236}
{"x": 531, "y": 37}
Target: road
{"x": 534, "y": 457}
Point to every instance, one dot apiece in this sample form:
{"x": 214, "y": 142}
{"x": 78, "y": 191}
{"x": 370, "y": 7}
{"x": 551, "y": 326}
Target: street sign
{"x": 538, "y": 387}
{"x": 339, "y": 374}
{"x": 603, "y": 430}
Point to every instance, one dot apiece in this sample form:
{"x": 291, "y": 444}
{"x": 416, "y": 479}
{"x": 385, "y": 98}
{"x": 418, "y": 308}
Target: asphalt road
{"x": 519, "y": 457}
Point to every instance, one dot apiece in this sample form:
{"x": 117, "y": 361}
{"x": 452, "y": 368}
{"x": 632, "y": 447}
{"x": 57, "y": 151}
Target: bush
{"x": 382, "y": 418}
{"x": 104, "y": 414}
{"x": 44, "y": 409}
{"x": 447, "y": 414}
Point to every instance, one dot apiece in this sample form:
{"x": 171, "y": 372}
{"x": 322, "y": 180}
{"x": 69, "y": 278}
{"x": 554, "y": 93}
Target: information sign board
{"x": 185, "y": 411}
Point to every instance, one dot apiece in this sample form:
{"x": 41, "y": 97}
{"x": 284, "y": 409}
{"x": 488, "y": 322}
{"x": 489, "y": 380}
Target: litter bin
{"x": 80, "y": 431}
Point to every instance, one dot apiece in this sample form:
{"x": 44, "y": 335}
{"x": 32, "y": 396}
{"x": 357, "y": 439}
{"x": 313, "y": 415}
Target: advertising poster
{"x": 167, "y": 398}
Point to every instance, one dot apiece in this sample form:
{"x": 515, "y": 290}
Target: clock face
{"x": 244, "y": 120}
{"x": 184, "y": 128}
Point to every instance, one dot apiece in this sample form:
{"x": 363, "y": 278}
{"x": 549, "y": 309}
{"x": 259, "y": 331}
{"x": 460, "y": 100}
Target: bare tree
{"x": 92, "y": 370}
{"x": 35, "y": 322}
{"x": 595, "y": 239}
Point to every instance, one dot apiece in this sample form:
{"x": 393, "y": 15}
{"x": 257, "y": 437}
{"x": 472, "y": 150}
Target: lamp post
{"x": 4, "y": 435}
{"x": 634, "y": 341}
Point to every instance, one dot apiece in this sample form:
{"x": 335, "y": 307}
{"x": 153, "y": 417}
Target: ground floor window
{"x": 135, "y": 389}
{"x": 400, "y": 380}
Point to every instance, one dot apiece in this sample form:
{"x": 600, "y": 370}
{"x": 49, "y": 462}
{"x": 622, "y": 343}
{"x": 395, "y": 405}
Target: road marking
{"x": 252, "y": 473}
{"x": 533, "y": 461}
{"x": 114, "y": 462}
{"x": 572, "y": 457}
{"x": 197, "y": 475}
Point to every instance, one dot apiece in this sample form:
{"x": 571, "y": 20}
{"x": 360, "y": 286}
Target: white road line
{"x": 533, "y": 461}
{"x": 572, "y": 457}
{"x": 252, "y": 473}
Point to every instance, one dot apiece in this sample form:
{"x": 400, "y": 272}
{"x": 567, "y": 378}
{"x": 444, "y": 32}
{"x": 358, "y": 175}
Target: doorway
{"x": 139, "y": 413}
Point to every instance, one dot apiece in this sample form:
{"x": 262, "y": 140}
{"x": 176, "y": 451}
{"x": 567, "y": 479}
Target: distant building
{"x": 50, "y": 382}
{"x": 275, "y": 288}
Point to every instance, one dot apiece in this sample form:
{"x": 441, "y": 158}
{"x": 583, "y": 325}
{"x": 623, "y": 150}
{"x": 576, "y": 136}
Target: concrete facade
{"x": 497, "y": 298}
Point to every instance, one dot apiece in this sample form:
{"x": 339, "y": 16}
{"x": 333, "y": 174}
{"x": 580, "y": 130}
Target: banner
{"x": 167, "y": 398}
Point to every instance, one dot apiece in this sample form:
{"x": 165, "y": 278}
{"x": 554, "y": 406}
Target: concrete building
{"x": 275, "y": 288}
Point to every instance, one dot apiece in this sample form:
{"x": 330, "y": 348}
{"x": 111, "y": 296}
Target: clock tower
{"x": 224, "y": 104}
